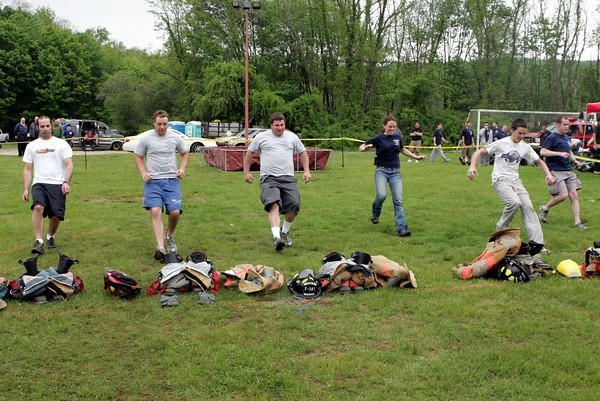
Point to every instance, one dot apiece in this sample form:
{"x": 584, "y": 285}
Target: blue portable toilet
{"x": 177, "y": 126}
{"x": 193, "y": 129}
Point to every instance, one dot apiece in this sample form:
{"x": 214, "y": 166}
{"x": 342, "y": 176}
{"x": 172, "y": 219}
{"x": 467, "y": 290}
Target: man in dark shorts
{"x": 278, "y": 187}
{"x": 49, "y": 167}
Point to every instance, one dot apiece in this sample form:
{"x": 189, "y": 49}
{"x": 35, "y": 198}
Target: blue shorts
{"x": 163, "y": 192}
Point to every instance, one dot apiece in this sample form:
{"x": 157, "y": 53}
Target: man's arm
{"x": 247, "y": 162}
{"x": 66, "y": 185}
{"x": 139, "y": 162}
{"x": 185, "y": 157}
{"x": 305, "y": 166}
{"x": 27, "y": 179}
{"x": 544, "y": 152}
{"x": 544, "y": 167}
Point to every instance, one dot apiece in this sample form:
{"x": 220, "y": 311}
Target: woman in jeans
{"x": 388, "y": 146}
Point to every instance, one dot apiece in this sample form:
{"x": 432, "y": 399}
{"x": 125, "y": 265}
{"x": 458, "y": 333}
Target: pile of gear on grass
{"x": 196, "y": 274}
{"x": 54, "y": 284}
{"x": 507, "y": 258}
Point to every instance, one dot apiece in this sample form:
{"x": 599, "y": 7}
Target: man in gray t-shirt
{"x": 278, "y": 186}
{"x": 161, "y": 179}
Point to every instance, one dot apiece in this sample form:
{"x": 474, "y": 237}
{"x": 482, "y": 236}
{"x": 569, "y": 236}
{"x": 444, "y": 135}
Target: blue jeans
{"x": 383, "y": 176}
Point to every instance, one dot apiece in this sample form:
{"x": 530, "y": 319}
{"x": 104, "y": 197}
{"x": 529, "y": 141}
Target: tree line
{"x": 334, "y": 67}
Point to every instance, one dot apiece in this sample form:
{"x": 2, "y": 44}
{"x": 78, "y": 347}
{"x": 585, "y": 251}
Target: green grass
{"x": 448, "y": 339}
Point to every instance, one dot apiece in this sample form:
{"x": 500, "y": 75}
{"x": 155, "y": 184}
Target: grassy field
{"x": 448, "y": 339}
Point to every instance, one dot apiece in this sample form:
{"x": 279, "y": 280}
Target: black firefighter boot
{"x": 65, "y": 263}
{"x": 31, "y": 265}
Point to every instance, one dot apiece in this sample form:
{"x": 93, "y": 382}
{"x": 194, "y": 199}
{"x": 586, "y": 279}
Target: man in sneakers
{"x": 161, "y": 176}
{"x": 49, "y": 167}
{"x": 559, "y": 156}
{"x": 278, "y": 185}
{"x": 508, "y": 185}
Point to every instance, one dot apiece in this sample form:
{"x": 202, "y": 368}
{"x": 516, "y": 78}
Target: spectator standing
{"x": 466, "y": 141}
{"x": 48, "y": 171}
{"x": 278, "y": 186}
{"x": 161, "y": 176}
{"x": 495, "y": 130}
{"x": 543, "y": 135}
{"x": 438, "y": 138}
{"x": 416, "y": 139}
{"x": 508, "y": 185}
{"x": 56, "y": 129}
{"x": 503, "y": 133}
{"x": 388, "y": 146}
{"x": 559, "y": 156}
{"x": 34, "y": 129}
{"x": 20, "y": 132}
{"x": 485, "y": 138}
{"x": 69, "y": 134}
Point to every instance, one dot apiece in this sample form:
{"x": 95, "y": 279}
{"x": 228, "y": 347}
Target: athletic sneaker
{"x": 51, "y": 243}
{"x": 285, "y": 237}
{"x": 279, "y": 244}
{"x": 38, "y": 247}
{"x": 171, "y": 245}
{"x": 409, "y": 161}
{"x": 404, "y": 233}
{"x": 159, "y": 254}
{"x": 374, "y": 219}
{"x": 543, "y": 214}
{"x": 581, "y": 225}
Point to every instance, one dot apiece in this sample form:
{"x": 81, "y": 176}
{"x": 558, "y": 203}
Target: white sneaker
{"x": 171, "y": 245}
{"x": 416, "y": 161}
{"x": 409, "y": 161}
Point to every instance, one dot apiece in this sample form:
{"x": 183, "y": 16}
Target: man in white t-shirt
{"x": 48, "y": 171}
{"x": 278, "y": 186}
{"x": 506, "y": 181}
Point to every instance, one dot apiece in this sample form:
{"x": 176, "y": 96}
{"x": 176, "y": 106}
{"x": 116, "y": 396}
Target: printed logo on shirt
{"x": 397, "y": 142}
{"x": 512, "y": 157}
{"x": 44, "y": 151}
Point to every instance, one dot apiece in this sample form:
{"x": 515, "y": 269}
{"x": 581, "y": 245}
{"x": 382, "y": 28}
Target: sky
{"x": 128, "y": 21}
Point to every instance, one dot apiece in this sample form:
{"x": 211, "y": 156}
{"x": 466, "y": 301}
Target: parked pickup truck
{"x": 578, "y": 129}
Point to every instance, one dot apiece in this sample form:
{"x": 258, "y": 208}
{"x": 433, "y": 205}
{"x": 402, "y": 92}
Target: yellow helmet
{"x": 568, "y": 268}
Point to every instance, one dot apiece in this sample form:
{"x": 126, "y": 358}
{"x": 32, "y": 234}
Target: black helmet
{"x": 514, "y": 272}
{"x": 332, "y": 257}
{"x": 361, "y": 258}
{"x": 305, "y": 285}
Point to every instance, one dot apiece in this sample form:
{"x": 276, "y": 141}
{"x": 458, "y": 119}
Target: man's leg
{"x": 556, "y": 200}
{"x": 274, "y": 219}
{"x": 53, "y": 227}
{"x": 172, "y": 222}
{"x": 511, "y": 201}
{"x": 574, "y": 197}
{"x": 158, "y": 227}
{"x": 530, "y": 218}
{"x": 37, "y": 221}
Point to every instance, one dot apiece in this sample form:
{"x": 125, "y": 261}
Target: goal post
{"x": 534, "y": 119}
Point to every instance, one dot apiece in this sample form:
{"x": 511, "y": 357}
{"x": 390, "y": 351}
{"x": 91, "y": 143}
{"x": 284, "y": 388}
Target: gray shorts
{"x": 283, "y": 190}
{"x": 564, "y": 181}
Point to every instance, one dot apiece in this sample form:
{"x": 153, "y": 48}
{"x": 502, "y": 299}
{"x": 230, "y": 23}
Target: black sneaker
{"x": 374, "y": 219}
{"x": 404, "y": 233}
{"x": 279, "y": 244}
{"x": 38, "y": 247}
{"x": 51, "y": 243}
{"x": 159, "y": 254}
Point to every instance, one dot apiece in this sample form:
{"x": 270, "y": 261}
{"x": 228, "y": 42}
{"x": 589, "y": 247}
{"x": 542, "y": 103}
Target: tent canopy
{"x": 593, "y": 108}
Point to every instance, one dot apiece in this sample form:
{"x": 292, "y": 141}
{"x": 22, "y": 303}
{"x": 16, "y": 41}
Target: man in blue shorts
{"x": 161, "y": 179}
{"x": 278, "y": 186}
{"x": 49, "y": 166}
